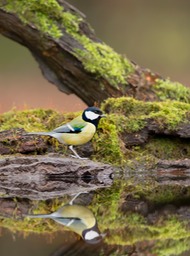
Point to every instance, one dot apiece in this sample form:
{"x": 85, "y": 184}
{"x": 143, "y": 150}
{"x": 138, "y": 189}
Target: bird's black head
{"x": 92, "y": 115}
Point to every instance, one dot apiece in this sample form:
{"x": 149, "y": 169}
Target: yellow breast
{"x": 80, "y": 138}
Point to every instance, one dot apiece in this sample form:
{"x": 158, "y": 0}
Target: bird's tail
{"x": 40, "y": 133}
{"x": 38, "y": 216}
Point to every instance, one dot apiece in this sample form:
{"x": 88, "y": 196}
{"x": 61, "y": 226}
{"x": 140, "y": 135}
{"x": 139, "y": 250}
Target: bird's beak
{"x": 103, "y": 115}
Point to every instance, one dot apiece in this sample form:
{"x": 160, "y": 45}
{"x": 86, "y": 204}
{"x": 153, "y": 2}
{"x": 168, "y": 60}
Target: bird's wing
{"x": 69, "y": 222}
{"x": 75, "y": 126}
{"x": 63, "y": 129}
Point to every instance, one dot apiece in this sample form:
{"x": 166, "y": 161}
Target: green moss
{"x": 71, "y": 23}
{"x": 106, "y": 203}
{"x": 167, "y": 148}
{"x": 164, "y": 194}
{"x": 50, "y": 18}
{"x": 30, "y": 120}
{"x": 34, "y": 119}
{"x": 27, "y": 225}
{"x": 166, "y": 114}
{"x": 101, "y": 60}
{"x": 171, "y": 247}
{"x": 126, "y": 118}
{"x": 107, "y": 144}
{"x": 171, "y": 90}
{"x": 44, "y": 14}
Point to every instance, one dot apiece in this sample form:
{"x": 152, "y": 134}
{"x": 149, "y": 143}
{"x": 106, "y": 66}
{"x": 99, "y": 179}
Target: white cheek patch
{"x": 91, "y": 235}
{"x": 91, "y": 115}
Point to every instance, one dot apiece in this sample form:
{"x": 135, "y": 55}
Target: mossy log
{"x": 74, "y": 59}
{"x": 157, "y": 127}
{"x": 133, "y": 132}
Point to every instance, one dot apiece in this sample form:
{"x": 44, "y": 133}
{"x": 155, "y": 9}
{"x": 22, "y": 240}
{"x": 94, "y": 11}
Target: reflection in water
{"x": 81, "y": 248}
{"x": 42, "y": 245}
{"x": 77, "y": 218}
{"x": 34, "y": 244}
{"x": 140, "y": 216}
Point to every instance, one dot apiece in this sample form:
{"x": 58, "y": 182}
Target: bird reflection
{"x": 77, "y": 218}
{"x": 80, "y": 248}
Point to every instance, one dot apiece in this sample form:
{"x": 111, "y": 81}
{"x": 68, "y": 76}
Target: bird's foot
{"x": 75, "y": 153}
{"x": 76, "y": 195}
{"x": 78, "y": 157}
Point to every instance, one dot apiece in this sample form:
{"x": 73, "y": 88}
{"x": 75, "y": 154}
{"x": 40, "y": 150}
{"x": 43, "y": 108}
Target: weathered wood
{"x": 152, "y": 129}
{"x": 176, "y": 172}
{"x": 13, "y": 141}
{"x": 50, "y": 177}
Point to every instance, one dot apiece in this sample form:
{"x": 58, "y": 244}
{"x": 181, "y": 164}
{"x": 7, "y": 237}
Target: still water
{"x": 43, "y": 245}
{"x": 140, "y": 215}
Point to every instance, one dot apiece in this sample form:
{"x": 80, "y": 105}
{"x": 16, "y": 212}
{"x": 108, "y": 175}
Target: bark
{"x": 60, "y": 65}
{"x": 152, "y": 129}
{"x": 49, "y": 177}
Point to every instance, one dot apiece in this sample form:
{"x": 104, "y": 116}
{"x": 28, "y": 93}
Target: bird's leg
{"x": 75, "y": 153}
{"x": 78, "y": 194}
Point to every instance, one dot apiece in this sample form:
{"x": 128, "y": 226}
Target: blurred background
{"x": 154, "y": 34}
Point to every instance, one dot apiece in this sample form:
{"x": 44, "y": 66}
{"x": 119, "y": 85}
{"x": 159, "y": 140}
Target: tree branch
{"x": 71, "y": 56}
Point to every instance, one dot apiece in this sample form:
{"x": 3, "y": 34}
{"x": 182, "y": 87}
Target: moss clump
{"x": 34, "y": 119}
{"x": 101, "y": 60}
{"x": 44, "y": 14}
{"x": 167, "y": 148}
{"x": 165, "y": 194}
{"x": 106, "y": 203}
{"x": 171, "y": 90}
{"x": 168, "y": 114}
{"x": 30, "y": 120}
{"x": 171, "y": 247}
{"x": 107, "y": 143}
{"x": 27, "y": 225}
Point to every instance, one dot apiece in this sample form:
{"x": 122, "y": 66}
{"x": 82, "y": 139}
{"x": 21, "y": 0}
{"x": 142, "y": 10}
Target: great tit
{"x": 78, "y": 131}
{"x": 77, "y": 218}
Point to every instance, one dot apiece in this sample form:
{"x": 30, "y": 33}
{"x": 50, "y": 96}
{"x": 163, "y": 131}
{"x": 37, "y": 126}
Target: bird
{"x": 77, "y": 218}
{"x": 78, "y": 131}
